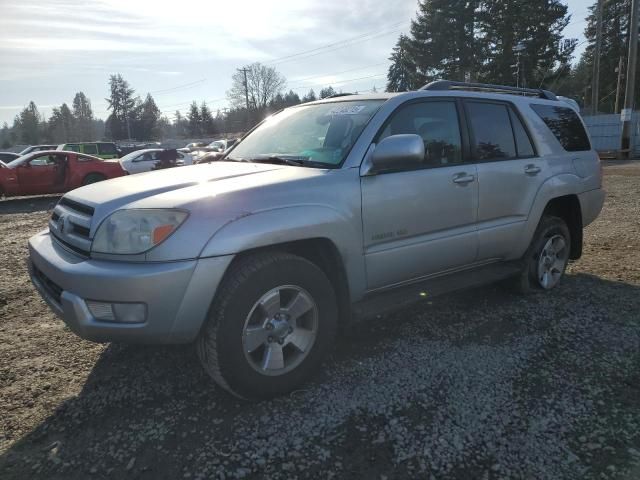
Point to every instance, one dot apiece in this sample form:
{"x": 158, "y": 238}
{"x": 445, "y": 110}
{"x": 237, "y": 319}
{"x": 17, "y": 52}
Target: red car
{"x": 54, "y": 171}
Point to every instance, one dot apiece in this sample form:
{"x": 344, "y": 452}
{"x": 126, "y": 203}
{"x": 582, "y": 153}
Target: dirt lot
{"x": 482, "y": 384}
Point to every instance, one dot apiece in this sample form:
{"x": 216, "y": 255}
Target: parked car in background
{"x": 327, "y": 211}
{"x": 208, "y": 157}
{"x": 7, "y": 157}
{"x": 129, "y": 147}
{"x": 37, "y": 148}
{"x": 54, "y": 171}
{"x": 145, "y": 160}
{"x": 222, "y": 144}
{"x": 105, "y": 150}
{"x": 217, "y": 146}
{"x": 196, "y": 145}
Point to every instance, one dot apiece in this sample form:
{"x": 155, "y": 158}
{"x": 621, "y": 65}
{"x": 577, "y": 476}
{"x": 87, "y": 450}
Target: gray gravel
{"x": 482, "y": 384}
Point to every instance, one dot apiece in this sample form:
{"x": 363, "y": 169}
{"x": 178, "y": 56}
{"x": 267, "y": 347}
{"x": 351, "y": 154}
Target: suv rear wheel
{"x": 547, "y": 257}
{"x": 271, "y": 324}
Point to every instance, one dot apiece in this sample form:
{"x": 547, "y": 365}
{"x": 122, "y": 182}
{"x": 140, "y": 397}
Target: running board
{"x": 377, "y": 303}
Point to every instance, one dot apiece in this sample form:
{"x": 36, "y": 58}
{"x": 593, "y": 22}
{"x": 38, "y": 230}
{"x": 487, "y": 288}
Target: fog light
{"x": 118, "y": 312}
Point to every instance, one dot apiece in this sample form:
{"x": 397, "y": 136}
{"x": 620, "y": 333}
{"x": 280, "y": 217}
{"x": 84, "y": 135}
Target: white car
{"x": 144, "y": 160}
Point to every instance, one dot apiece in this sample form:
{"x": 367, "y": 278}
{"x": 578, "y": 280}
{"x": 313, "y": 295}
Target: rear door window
{"x": 107, "y": 149}
{"x": 565, "y": 124}
{"x": 523, "y": 142}
{"x": 90, "y": 149}
{"x": 492, "y": 135}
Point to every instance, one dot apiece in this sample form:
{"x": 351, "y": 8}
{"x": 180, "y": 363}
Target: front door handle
{"x": 532, "y": 169}
{"x": 463, "y": 178}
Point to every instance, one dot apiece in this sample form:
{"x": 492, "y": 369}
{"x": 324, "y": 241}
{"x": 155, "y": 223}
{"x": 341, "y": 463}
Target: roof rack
{"x": 451, "y": 85}
{"x": 336, "y": 95}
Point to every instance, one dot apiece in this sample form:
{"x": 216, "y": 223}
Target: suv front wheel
{"x": 272, "y": 322}
{"x": 546, "y": 258}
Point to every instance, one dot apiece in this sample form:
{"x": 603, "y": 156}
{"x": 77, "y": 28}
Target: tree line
{"x": 511, "y": 43}
{"x": 517, "y": 42}
{"x": 134, "y": 118}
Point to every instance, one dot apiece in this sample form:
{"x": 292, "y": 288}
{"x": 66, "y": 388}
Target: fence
{"x": 606, "y": 131}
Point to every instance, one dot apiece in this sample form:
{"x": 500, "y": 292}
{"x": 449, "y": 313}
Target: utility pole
{"x": 616, "y": 109}
{"x": 625, "y": 115}
{"x": 595, "y": 79}
{"x": 246, "y": 94}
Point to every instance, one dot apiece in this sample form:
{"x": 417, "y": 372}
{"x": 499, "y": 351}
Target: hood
{"x": 193, "y": 187}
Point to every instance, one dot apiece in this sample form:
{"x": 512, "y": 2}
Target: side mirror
{"x": 397, "y": 152}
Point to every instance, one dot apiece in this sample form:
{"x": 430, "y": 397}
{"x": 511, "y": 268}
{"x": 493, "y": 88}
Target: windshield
{"x": 18, "y": 161}
{"x": 322, "y": 133}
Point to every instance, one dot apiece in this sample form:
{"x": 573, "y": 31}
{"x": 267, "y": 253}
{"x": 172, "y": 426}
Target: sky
{"x": 186, "y": 50}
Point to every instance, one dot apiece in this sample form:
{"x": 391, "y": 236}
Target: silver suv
{"x": 325, "y": 212}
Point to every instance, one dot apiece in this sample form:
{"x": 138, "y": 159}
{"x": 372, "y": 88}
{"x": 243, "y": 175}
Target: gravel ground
{"x": 482, "y": 384}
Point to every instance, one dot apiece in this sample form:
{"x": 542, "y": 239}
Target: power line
{"x": 350, "y": 80}
{"x": 346, "y": 40}
{"x": 178, "y": 87}
{"x": 337, "y": 73}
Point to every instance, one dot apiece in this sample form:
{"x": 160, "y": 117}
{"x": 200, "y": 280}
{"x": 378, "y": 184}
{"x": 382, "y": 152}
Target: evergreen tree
{"x": 443, "y": 43}
{"x": 148, "y": 117}
{"x": 180, "y": 124}
{"x": 165, "y": 129}
{"x": 29, "y": 124}
{"x": 206, "y": 120}
{"x": 195, "y": 122}
{"x": 542, "y": 50}
{"x": 83, "y": 116}
{"x": 61, "y": 125}
{"x": 309, "y": 97}
{"x": 5, "y": 141}
{"x": 327, "y": 92}
{"x": 402, "y": 75}
{"x": 615, "y": 44}
{"x": 291, "y": 98}
{"x": 122, "y": 104}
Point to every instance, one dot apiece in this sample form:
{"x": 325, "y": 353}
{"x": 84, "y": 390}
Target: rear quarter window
{"x": 107, "y": 149}
{"x": 565, "y": 124}
{"x": 90, "y": 149}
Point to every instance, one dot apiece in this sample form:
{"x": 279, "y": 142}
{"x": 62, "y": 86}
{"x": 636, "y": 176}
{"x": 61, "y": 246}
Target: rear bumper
{"x": 591, "y": 203}
{"x": 177, "y": 294}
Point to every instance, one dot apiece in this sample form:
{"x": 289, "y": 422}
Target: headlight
{"x": 136, "y": 231}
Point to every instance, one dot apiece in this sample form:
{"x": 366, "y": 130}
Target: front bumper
{"x": 177, "y": 294}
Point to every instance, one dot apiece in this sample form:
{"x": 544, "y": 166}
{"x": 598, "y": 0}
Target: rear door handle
{"x": 532, "y": 169}
{"x": 463, "y": 178}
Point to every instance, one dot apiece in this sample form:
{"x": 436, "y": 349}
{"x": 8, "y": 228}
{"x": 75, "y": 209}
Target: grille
{"x": 70, "y": 225}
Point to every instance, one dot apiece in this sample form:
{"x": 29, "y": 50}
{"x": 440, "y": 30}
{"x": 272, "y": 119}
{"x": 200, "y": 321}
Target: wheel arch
{"x": 567, "y": 207}
{"x": 99, "y": 174}
{"x": 323, "y": 253}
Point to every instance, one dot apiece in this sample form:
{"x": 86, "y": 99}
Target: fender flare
{"x": 554, "y": 187}
{"x": 288, "y": 224}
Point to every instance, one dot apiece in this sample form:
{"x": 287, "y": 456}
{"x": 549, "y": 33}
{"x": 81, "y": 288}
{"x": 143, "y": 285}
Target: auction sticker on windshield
{"x": 347, "y": 110}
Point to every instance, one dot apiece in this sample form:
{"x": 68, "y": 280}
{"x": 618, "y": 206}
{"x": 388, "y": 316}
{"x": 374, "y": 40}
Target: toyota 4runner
{"x": 324, "y": 212}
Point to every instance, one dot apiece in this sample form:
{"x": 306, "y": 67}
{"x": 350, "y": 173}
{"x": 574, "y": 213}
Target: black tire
{"x": 220, "y": 343}
{"x": 93, "y": 178}
{"x": 528, "y": 280}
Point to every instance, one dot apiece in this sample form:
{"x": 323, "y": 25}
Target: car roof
{"x": 513, "y": 97}
{"x": 58, "y": 152}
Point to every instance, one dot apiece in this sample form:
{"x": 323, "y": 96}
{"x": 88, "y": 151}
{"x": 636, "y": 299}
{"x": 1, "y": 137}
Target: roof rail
{"x": 451, "y": 85}
{"x": 336, "y": 95}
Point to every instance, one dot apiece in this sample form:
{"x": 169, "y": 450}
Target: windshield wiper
{"x": 295, "y": 161}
